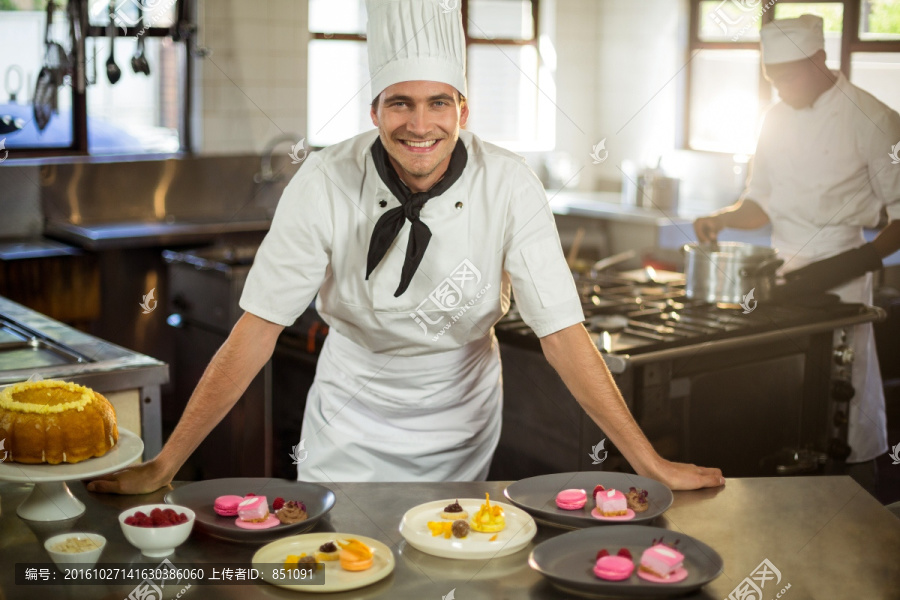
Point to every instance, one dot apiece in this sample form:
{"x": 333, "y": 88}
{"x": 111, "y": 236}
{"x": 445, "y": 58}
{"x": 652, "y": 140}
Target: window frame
{"x": 850, "y": 43}
{"x": 181, "y": 31}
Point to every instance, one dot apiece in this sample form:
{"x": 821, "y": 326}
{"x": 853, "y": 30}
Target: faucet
{"x": 266, "y": 175}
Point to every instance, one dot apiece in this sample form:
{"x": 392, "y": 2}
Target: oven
{"x": 757, "y": 393}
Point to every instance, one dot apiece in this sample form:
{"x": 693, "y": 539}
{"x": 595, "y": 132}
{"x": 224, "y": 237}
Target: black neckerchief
{"x": 391, "y": 222}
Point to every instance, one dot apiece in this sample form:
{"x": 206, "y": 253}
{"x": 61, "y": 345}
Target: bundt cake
{"x": 54, "y": 422}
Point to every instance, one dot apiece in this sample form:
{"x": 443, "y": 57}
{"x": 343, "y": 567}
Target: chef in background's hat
{"x": 789, "y": 40}
{"x": 415, "y": 40}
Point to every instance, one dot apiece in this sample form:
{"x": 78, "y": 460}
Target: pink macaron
{"x": 613, "y": 568}
{"x": 227, "y": 506}
{"x": 571, "y": 499}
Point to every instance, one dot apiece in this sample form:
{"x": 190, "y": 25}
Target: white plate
{"x": 336, "y": 578}
{"x": 520, "y": 529}
{"x": 128, "y": 448}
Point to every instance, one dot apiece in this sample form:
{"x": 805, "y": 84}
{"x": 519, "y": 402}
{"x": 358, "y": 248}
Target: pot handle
{"x": 766, "y": 267}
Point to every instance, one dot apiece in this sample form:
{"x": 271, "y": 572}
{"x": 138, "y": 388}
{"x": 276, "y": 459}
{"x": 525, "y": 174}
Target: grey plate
{"x": 568, "y": 561}
{"x": 537, "y": 495}
{"x": 201, "y": 495}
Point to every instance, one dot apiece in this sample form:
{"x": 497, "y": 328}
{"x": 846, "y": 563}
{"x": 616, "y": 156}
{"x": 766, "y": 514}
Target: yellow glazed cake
{"x": 55, "y": 422}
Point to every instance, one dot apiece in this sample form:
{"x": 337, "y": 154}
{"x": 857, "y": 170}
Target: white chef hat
{"x": 787, "y": 40}
{"x": 413, "y": 40}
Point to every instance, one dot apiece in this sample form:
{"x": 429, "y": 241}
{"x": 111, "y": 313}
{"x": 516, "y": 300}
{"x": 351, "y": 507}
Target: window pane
{"x": 879, "y": 20}
{"x": 833, "y": 16}
{"x": 730, "y": 20}
{"x": 879, "y": 74}
{"x": 140, "y": 113}
{"x": 725, "y": 101}
{"x": 22, "y": 32}
{"x": 134, "y": 13}
{"x": 339, "y": 92}
{"x": 503, "y": 92}
{"x": 337, "y": 16}
{"x": 510, "y": 19}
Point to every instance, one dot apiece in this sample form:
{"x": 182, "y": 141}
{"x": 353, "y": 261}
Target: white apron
{"x": 383, "y": 417}
{"x": 800, "y": 245}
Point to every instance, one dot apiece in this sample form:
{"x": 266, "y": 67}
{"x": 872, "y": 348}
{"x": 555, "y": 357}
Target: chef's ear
{"x": 463, "y": 111}
{"x": 373, "y": 111}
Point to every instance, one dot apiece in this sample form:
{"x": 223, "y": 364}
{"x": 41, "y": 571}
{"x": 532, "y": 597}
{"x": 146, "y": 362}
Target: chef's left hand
{"x": 683, "y": 476}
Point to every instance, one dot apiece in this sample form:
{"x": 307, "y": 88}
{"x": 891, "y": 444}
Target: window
{"x": 140, "y": 113}
{"x": 504, "y": 72}
{"x": 727, "y": 93}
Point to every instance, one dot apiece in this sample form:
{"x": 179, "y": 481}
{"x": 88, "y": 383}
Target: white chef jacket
{"x": 410, "y": 388}
{"x": 491, "y": 231}
{"x": 823, "y": 173}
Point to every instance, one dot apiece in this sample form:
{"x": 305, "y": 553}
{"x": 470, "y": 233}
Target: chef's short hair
{"x": 377, "y": 99}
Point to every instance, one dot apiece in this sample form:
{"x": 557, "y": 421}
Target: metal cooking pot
{"x": 724, "y": 273}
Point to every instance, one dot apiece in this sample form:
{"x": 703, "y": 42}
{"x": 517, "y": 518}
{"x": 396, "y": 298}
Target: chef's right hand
{"x": 708, "y": 228}
{"x": 140, "y": 479}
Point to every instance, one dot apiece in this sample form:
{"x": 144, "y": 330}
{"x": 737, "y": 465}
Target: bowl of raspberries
{"x": 157, "y": 529}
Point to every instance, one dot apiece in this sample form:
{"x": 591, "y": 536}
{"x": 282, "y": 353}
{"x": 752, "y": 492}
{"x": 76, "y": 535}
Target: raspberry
{"x": 624, "y": 552}
{"x": 601, "y": 554}
{"x": 278, "y": 503}
{"x": 598, "y": 488}
{"x": 249, "y": 495}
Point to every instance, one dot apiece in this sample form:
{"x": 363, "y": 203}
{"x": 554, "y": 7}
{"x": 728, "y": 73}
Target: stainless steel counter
{"x": 828, "y": 537}
{"x": 93, "y": 362}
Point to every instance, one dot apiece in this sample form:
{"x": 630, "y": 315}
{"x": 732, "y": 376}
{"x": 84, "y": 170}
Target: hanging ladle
{"x": 139, "y": 62}
{"x": 113, "y": 72}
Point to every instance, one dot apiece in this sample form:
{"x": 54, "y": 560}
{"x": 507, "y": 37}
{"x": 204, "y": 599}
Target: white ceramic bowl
{"x": 157, "y": 542}
{"x": 85, "y": 557}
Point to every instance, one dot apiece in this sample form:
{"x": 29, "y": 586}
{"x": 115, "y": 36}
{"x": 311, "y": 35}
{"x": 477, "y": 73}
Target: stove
{"x": 761, "y": 390}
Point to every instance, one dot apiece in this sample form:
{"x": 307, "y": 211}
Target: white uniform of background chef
{"x": 408, "y": 385}
{"x": 822, "y": 171}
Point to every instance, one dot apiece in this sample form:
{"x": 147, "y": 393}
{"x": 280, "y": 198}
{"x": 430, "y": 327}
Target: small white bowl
{"x": 86, "y": 557}
{"x": 157, "y": 542}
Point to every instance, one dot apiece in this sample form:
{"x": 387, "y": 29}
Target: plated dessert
{"x": 253, "y": 512}
{"x": 609, "y": 504}
{"x": 660, "y": 563}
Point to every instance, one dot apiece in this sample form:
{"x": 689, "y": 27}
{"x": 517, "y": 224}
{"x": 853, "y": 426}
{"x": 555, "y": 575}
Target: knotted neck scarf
{"x": 391, "y": 222}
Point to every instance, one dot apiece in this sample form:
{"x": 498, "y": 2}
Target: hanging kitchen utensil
{"x": 139, "y": 62}
{"x": 56, "y": 58}
{"x": 113, "y": 72}
{"x": 44, "y": 100}
{"x": 76, "y": 37}
{"x": 13, "y": 90}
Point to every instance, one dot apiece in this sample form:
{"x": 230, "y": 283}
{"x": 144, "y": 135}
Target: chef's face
{"x": 799, "y": 82}
{"x": 419, "y": 122}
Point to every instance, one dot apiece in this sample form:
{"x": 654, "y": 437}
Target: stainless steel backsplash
{"x": 201, "y": 188}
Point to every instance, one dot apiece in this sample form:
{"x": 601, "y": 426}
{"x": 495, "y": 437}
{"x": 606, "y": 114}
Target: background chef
{"x": 821, "y": 173}
{"x": 413, "y": 236}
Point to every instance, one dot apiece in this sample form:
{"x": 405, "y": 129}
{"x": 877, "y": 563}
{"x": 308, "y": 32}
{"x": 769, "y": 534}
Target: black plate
{"x": 201, "y": 495}
{"x": 567, "y": 560}
{"x": 537, "y": 495}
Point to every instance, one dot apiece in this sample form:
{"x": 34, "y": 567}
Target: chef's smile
{"x": 419, "y": 123}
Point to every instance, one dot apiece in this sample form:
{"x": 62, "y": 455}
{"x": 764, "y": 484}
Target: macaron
{"x": 571, "y": 499}
{"x": 613, "y": 568}
{"x": 227, "y": 506}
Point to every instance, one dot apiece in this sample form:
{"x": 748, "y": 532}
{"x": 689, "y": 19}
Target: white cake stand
{"x": 51, "y": 499}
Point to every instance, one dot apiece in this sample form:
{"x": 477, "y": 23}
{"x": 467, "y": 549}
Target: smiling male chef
{"x": 823, "y": 171}
{"x": 397, "y": 230}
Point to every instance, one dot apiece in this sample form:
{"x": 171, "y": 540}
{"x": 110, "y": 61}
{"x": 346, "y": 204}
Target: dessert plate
{"x": 336, "y": 579}
{"x": 201, "y": 495}
{"x": 51, "y": 499}
{"x": 537, "y": 495}
{"x": 567, "y": 560}
{"x": 520, "y": 529}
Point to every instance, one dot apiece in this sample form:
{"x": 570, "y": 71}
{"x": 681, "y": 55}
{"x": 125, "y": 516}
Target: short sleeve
{"x": 541, "y": 280}
{"x": 883, "y": 167}
{"x": 292, "y": 260}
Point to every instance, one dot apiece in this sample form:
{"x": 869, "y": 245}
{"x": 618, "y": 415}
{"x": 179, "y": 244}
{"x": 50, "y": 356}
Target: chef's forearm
{"x": 745, "y": 214}
{"x": 888, "y": 240}
{"x": 579, "y": 364}
{"x": 224, "y": 381}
